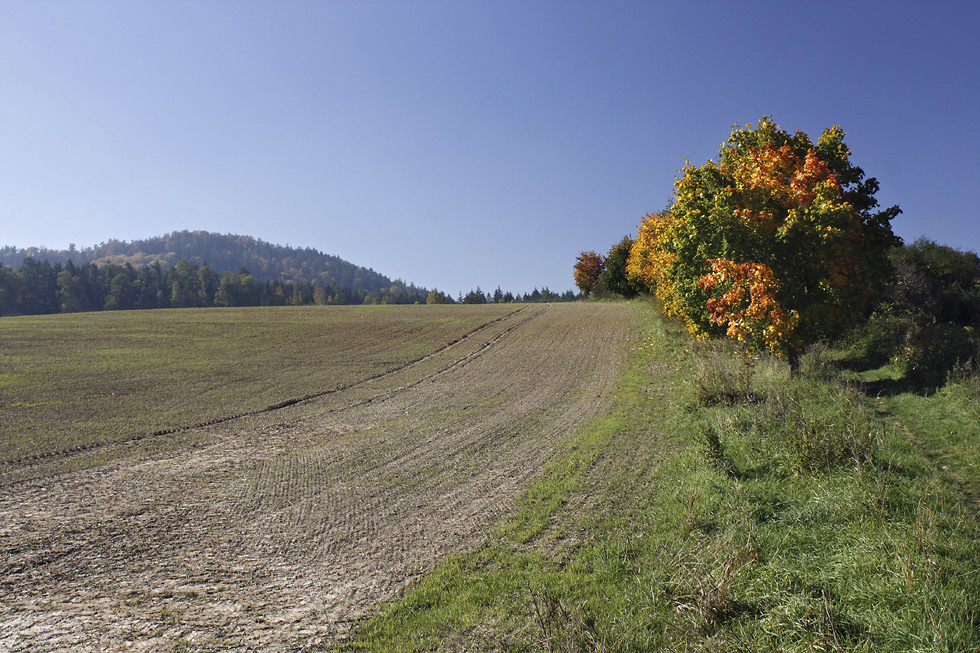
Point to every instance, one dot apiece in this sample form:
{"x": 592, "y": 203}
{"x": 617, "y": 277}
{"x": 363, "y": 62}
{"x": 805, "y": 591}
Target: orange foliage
{"x": 744, "y": 300}
{"x": 775, "y": 186}
{"x": 588, "y": 267}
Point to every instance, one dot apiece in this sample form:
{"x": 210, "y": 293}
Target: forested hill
{"x": 221, "y": 252}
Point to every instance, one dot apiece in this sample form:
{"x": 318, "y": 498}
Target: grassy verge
{"x": 720, "y": 505}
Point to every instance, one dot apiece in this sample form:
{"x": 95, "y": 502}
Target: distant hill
{"x": 221, "y": 252}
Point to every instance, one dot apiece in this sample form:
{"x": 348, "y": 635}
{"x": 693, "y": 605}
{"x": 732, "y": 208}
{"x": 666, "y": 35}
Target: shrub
{"x": 876, "y": 341}
{"x": 930, "y": 353}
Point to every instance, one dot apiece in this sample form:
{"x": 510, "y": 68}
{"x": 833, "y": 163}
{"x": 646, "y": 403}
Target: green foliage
{"x": 928, "y": 319}
{"x": 932, "y": 351}
{"x": 475, "y": 297}
{"x": 186, "y": 269}
{"x": 613, "y": 278}
{"x": 38, "y": 287}
{"x": 545, "y": 295}
{"x": 877, "y": 340}
{"x": 936, "y": 280}
{"x": 166, "y": 280}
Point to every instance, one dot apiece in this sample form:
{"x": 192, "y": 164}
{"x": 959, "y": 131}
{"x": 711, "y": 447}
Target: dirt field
{"x": 277, "y": 531}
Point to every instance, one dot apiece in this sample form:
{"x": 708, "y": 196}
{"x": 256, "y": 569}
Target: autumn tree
{"x": 588, "y": 267}
{"x": 776, "y": 244}
{"x": 435, "y": 297}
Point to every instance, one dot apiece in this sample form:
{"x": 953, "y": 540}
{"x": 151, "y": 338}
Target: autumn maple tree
{"x": 588, "y": 267}
{"x": 776, "y": 244}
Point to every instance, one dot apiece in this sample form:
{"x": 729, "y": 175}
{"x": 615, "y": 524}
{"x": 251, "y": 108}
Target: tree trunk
{"x": 794, "y": 362}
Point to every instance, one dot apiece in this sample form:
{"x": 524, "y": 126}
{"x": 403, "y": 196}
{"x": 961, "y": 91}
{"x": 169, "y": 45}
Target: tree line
{"x": 38, "y": 287}
{"x": 477, "y": 296}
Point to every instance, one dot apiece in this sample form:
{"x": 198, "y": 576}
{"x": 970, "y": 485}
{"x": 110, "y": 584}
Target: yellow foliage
{"x": 649, "y": 261}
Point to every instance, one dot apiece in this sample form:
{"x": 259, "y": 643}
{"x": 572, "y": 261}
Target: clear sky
{"x": 459, "y": 143}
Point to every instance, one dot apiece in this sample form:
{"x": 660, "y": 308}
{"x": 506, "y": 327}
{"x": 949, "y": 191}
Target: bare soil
{"x": 280, "y": 530}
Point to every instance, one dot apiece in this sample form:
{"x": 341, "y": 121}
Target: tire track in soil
{"x": 388, "y": 394}
{"x": 283, "y": 534}
{"x": 259, "y": 411}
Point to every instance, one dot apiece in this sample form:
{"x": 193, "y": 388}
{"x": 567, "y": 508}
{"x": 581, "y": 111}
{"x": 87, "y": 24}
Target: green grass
{"x": 946, "y": 427}
{"x": 719, "y": 506}
{"x": 71, "y": 380}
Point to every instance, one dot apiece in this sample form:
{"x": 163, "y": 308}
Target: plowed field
{"x": 280, "y": 528}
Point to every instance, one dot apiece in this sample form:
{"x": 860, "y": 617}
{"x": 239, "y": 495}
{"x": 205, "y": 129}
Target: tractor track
{"x": 83, "y": 448}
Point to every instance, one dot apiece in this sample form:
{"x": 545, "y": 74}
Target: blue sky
{"x": 458, "y": 143}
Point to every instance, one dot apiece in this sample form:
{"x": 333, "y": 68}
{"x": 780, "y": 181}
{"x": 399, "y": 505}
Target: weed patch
{"x": 720, "y": 376}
